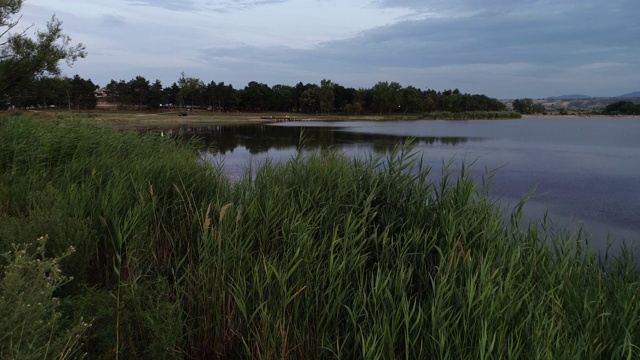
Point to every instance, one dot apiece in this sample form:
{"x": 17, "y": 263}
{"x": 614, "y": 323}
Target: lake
{"x": 582, "y": 171}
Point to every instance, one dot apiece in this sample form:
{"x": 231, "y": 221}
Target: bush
{"x": 32, "y": 326}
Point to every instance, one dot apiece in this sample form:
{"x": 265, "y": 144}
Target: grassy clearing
{"x": 320, "y": 257}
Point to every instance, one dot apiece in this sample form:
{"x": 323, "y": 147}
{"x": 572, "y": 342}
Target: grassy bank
{"x": 320, "y": 257}
{"x": 169, "y": 118}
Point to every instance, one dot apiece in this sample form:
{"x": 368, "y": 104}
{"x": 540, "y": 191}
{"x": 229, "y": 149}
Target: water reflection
{"x": 260, "y": 138}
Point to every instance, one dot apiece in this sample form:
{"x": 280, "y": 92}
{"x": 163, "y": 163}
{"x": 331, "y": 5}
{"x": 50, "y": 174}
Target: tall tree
{"x": 155, "y": 96}
{"x": 212, "y": 95}
{"x": 170, "y": 94}
{"x": 51, "y": 91}
{"x": 453, "y": 102}
{"x": 386, "y": 96}
{"x": 222, "y": 97}
{"x": 410, "y": 99}
{"x": 188, "y": 89}
{"x": 256, "y": 97}
{"x": 232, "y": 98}
{"x": 327, "y": 96}
{"x": 121, "y": 92}
{"x": 523, "y": 106}
{"x": 343, "y": 97}
{"x": 282, "y": 99}
{"x": 200, "y": 96}
{"x": 24, "y": 58}
{"x": 82, "y": 93}
{"x": 309, "y": 100}
{"x": 430, "y": 102}
{"x": 297, "y": 95}
{"x": 139, "y": 88}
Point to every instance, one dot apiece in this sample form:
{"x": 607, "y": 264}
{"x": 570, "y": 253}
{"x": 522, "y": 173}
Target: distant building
{"x": 105, "y": 100}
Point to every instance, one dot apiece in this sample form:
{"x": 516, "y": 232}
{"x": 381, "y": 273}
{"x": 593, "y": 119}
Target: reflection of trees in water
{"x": 261, "y": 138}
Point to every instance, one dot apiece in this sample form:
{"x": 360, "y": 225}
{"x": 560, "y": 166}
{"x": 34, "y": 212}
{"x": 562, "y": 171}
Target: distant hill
{"x": 587, "y": 97}
{"x": 631, "y": 95}
{"x": 570, "y": 97}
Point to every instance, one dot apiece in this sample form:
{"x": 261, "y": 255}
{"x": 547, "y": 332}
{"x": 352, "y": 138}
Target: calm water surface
{"x": 582, "y": 171}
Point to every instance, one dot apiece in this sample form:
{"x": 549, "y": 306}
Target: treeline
{"x": 73, "y": 93}
{"x": 528, "y": 106}
{"x": 622, "y": 108}
{"x": 383, "y": 98}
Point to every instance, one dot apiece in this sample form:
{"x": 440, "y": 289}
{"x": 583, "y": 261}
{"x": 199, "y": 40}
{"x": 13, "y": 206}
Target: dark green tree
{"x": 523, "y": 106}
{"x": 24, "y": 58}
{"x": 622, "y": 108}
{"x": 297, "y": 95}
{"x": 282, "y": 99}
{"x": 538, "y": 108}
{"x": 410, "y": 99}
{"x": 229, "y": 97}
{"x": 212, "y": 95}
{"x": 452, "y": 101}
{"x": 121, "y": 93}
{"x": 82, "y": 93}
{"x": 343, "y": 97}
{"x": 353, "y": 109}
{"x": 155, "y": 97}
{"x": 309, "y": 102}
{"x": 51, "y": 91}
{"x": 430, "y": 101}
{"x": 140, "y": 89}
{"x": 189, "y": 88}
{"x": 171, "y": 94}
{"x": 386, "y": 97}
{"x": 365, "y": 98}
{"x": 200, "y": 99}
{"x": 327, "y": 96}
{"x": 256, "y": 97}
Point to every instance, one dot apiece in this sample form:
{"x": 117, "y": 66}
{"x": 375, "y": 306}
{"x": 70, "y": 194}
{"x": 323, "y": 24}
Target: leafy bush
{"x": 32, "y": 326}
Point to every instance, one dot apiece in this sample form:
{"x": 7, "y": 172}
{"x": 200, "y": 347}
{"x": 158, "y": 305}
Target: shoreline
{"x": 125, "y": 120}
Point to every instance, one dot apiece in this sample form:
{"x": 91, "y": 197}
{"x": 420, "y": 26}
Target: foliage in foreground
{"x": 31, "y": 326}
{"x": 319, "y": 257}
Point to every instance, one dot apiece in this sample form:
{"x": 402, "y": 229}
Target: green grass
{"x": 320, "y": 257}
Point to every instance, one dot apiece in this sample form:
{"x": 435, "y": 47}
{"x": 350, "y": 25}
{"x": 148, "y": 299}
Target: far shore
{"x": 128, "y": 119}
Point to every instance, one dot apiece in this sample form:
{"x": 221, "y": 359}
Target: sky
{"x": 501, "y": 48}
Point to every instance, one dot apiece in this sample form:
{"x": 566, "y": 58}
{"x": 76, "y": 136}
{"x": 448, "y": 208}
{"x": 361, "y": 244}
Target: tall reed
{"x": 318, "y": 257}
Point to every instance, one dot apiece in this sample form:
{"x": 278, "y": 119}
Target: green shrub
{"x": 32, "y": 326}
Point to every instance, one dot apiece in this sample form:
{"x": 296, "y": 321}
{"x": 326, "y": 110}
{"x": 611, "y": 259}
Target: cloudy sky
{"x": 501, "y": 48}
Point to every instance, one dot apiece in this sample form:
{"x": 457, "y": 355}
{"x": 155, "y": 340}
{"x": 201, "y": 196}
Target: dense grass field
{"x": 122, "y": 246}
